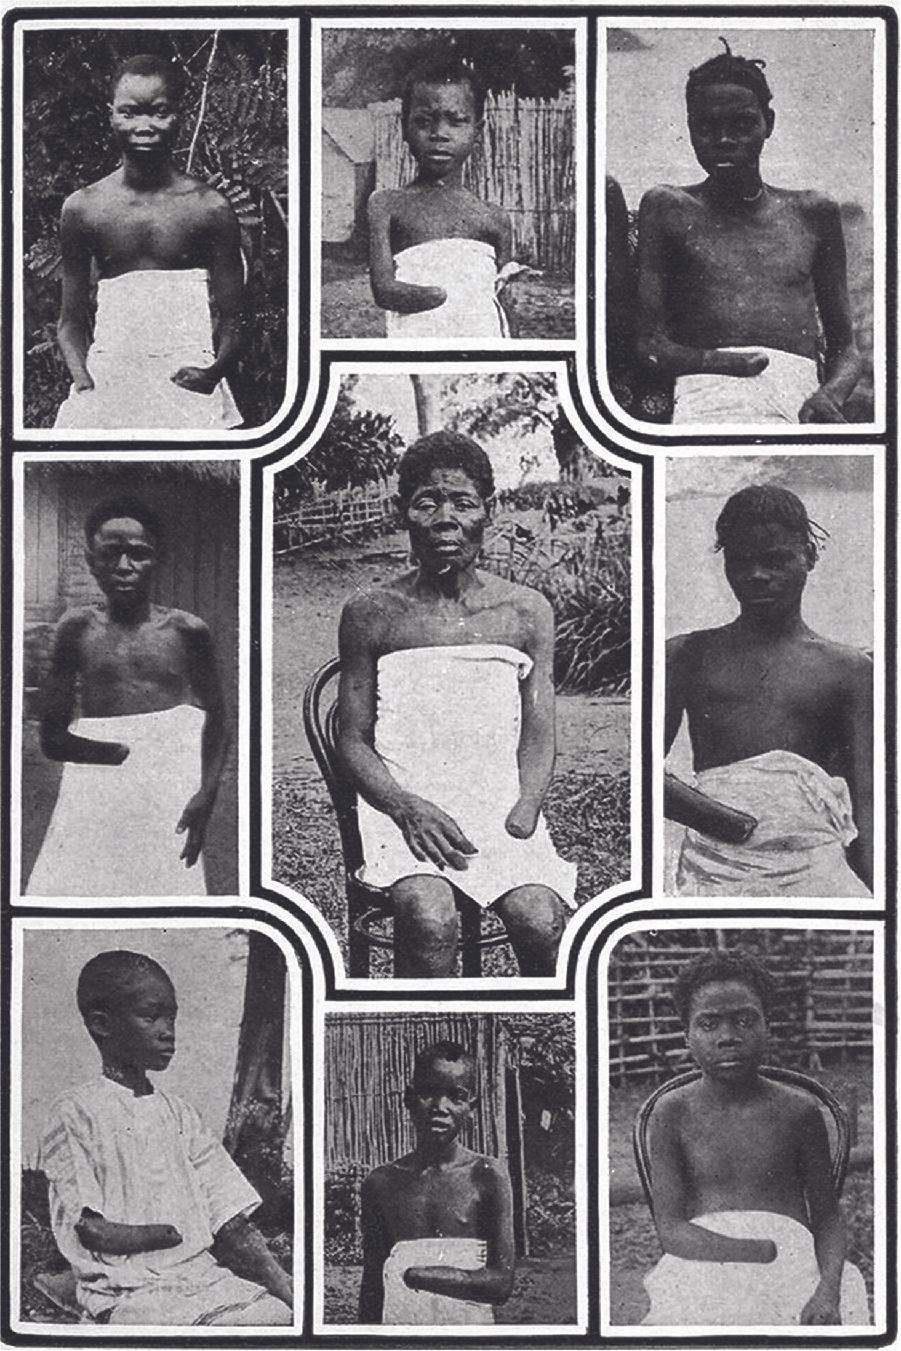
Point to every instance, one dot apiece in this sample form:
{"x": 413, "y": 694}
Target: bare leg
{"x": 534, "y": 917}
{"x": 425, "y": 926}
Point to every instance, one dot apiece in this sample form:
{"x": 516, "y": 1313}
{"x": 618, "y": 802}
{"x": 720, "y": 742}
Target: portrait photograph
{"x": 448, "y": 168}
{"x": 466, "y": 597}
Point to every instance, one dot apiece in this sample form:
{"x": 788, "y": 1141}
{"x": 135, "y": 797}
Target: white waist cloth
{"x": 797, "y": 848}
{"x": 748, "y": 1294}
{"x": 148, "y": 325}
{"x": 775, "y": 395}
{"x": 447, "y": 728}
{"x": 112, "y": 832}
{"x": 466, "y": 269}
{"x": 403, "y": 1306}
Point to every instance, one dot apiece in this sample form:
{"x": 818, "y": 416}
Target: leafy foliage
{"x": 239, "y": 146}
{"x": 356, "y": 448}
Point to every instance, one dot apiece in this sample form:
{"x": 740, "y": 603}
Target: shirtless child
{"x": 742, "y": 1191}
{"x": 446, "y": 713}
{"x": 163, "y": 246}
{"x": 437, "y": 1224}
{"x": 732, "y": 271}
{"x": 139, "y": 1188}
{"x": 145, "y": 747}
{"x": 774, "y": 712}
{"x": 437, "y": 255}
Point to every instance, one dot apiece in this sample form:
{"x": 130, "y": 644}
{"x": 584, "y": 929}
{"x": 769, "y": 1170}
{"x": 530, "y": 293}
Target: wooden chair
{"x": 369, "y": 907}
{"x": 841, "y": 1129}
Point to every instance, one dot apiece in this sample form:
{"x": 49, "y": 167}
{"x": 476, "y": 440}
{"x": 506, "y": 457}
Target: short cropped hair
{"x": 442, "y": 70}
{"x": 451, "y": 1051}
{"x": 729, "y": 69}
{"x": 443, "y": 450}
{"x": 104, "y": 980}
{"x": 718, "y": 964}
{"x": 768, "y": 504}
{"x": 120, "y": 508}
{"x": 149, "y": 65}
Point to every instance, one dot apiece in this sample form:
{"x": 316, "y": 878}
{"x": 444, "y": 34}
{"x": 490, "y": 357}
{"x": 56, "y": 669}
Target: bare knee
{"x": 425, "y": 926}
{"x": 533, "y": 910}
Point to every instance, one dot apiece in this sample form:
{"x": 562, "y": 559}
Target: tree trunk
{"x": 257, "y": 1121}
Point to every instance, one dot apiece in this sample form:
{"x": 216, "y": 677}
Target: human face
{"x": 728, "y": 128}
{"x": 143, "y": 117}
{"x": 440, "y": 1100}
{"x": 446, "y": 517}
{"x": 139, "y": 1031}
{"x": 767, "y": 568}
{"x": 123, "y": 559}
{"x": 441, "y": 127}
{"x": 727, "y": 1030}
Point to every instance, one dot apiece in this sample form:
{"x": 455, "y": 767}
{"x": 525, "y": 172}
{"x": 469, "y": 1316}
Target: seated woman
{"x": 446, "y": 711}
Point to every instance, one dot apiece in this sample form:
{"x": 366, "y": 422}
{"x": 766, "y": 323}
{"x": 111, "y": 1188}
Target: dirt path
{"x": 592, "y": 730}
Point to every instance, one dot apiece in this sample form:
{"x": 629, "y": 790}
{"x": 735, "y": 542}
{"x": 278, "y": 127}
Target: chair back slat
{"x": 320, "y": 718}
{"x": 840, "y": 1150}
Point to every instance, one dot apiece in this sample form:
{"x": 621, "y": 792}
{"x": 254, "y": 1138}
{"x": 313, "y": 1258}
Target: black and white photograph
{"x": 449, "y": 176}
{"x": 759, "y": 1035}
{"x": 740, "y": 226}
{"x": 130, "y": 678}
{"x": 450, "y": 1172}
{"x": 770, "y": 608}
{"x": 157, "y": 1176}
{"x": 468, "y": 592}
{"x": 155, "y": 229}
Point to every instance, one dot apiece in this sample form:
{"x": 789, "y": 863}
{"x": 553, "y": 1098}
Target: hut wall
{"x": 368, "y": 1063}
{"x": 339, "y": 182}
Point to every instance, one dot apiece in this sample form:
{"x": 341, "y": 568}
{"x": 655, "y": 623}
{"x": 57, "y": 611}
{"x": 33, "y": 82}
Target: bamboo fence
{"x": 823, "y": 1009}
{"x": 368, "y": 1064}
{"x": 344, "y": 515}
{"x": 524, "y": 161}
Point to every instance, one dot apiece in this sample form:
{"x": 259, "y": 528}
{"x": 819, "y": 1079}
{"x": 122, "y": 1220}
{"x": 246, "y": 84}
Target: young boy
{"x": 139, "y": 1189}
{"x": 437, "y": 255}
{"x": 446, "y": 714}
{"x": 743, "y": 1197}
{"x": 732, "y": 271}
{"x": 164, "y": 246}
{"x": 774, "y": 713}
{"x": 144, "y": 755}
{"x": 438, "y": 1223}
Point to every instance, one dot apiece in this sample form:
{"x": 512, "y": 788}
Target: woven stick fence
{"x": 823, "y": 1009}
{"x": 344, "y": 515}
{"x": 524, "y": 161}
{"x": 368, "y": 1064}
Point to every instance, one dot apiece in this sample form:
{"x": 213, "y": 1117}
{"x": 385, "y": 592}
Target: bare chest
{"x": 166, "y": 232}
{"x": 428, "y": 626}
{"x": 754, "y": 1149}
{"x": 783, "y": 682}
{"x": 433, "y": 1205}
{"x": 114, "y": 656}
{"x": 439, "y": 215}
{"x": 777, "y": 252}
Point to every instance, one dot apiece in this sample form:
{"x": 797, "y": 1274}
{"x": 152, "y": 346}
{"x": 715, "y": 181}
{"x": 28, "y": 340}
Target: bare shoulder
{"x": 848, "y": 665}
{"x": 530, "y": 603}
{"x": 807, "y": 200}
{"x": 180, "y": 620}
{"x": 78, "y": 619}
{"x": 670, "y": 1110}
{"x": 385, "y": 203}
{"x": 684, "y": 649}
{"x": 489, "y": 1170}
{"x": 366, "y": 612}
{"x": 664, "y": 202}
{"x": 83, "y": 204}
{"x": 797, "y": 1108}
{"x": 213, "y": 203}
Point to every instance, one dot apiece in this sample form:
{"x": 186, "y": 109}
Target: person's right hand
{"x": 431, "y": 835}
{"x": 744, "y": 364}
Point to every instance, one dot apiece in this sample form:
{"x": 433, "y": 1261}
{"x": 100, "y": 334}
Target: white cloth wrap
{"x": 466, "y": 269}
{"x": 775, "y": 395}
{"x": 748, "y": 1294}
{"x": 148, "y": 325}
{"x": 797, "y": 848}
{"x": 447, "y": 728}
{"x": 112, "y": 832}
{"x": 404, "y": 1306}
{"x": 148, "y": 1160}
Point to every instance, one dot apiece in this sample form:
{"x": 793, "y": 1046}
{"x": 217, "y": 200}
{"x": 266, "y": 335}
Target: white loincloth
{"x": 148, "y": 325}
{"x": 775, "y": 395}
{"x": 684, "y": 1292}
{"x": 201, "y": 1294}
{"x": 447, "y": 727}
{"x": 404, "y": 1306}
{"x": 466, "y": 269}
{"x": 796, "y": 849}
{"x": 112, "y": 832}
